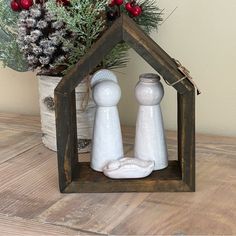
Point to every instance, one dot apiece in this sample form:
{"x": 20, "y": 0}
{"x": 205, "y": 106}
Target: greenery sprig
{"x": 151, "y": 16}
{"x": 10, "y": 54}
{"x": 55, "y": 36}
{"x": 87, "y": 20}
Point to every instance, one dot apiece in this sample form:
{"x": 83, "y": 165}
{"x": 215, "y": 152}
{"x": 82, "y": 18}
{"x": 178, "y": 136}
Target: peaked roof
{"x": 125, "y": 29}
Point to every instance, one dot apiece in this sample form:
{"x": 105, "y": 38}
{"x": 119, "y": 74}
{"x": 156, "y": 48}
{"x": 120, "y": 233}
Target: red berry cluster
{"x": 115, "y": 2}
{"x": 17, "y": 5}
{"x": 133, "y": 8}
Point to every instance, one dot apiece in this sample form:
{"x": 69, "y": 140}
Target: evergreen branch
{"x": 10, "y": 54}
{"x": 84, "y": 19}
{"x": 150, "y": 17}
{"x": 117, "y": 57}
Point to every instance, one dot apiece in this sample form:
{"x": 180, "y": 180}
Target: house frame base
{"x": 86, "y": 180}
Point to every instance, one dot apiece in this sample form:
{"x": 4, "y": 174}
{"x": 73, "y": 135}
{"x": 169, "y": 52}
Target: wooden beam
{"x": 93, "y": 57}
{"x": 153, "y": 54}
{"x": 186, "y": 137}
{"x": 122, "y": 187}
{"x": 66, "y": 131}
{"x": 87, "y": 180}
{"x": 125, "y": 29}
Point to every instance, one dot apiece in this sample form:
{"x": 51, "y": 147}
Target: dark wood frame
{"x": 77, "y": 176}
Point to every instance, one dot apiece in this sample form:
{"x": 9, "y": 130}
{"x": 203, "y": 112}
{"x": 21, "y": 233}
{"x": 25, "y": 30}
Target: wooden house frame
{"x": 77, "y": 176}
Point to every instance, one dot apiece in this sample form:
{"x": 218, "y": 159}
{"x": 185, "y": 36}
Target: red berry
{"x": 128, "y": 6}
{"x": 15, "y": 6}
{"x": 26, "y": 4}
{"x": 119, "y": 2}
{"x": 136, "y": 11}
{"x": 112, "y": 3}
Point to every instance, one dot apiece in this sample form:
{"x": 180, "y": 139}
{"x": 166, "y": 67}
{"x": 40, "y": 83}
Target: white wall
{"x": 201, "y": 34}
{"x": 18, "y": 92}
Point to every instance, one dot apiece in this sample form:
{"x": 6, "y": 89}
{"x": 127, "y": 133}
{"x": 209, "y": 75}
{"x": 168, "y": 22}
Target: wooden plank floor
{"x": 30, "y": 203}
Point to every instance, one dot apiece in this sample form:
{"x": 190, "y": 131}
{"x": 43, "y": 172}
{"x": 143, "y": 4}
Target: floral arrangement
{"x": 51, "y": 36}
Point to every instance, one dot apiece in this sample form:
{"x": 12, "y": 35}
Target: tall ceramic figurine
{"x": 107, "y": 140}
{"x": 150, "y": 141}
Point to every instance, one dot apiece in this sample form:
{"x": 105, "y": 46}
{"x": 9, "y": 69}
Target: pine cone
{"x": 40, "y": 38}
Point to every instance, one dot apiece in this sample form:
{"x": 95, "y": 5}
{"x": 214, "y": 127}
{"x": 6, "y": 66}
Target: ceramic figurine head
{"x": 102, "y": 75}
{"x": 106, "y": 91}
{"x": 149, "y": 91}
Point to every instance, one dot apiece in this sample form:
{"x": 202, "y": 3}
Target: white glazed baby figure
{"x": 128, "y": 168}
{"x": 107, "y": 139}
{"x": 150, "y": 141}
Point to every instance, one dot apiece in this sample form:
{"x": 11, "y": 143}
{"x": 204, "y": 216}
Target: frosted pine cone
{"x": 41, "y": 37}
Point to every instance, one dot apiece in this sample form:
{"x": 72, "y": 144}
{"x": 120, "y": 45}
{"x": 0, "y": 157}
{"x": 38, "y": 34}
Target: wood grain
{"x": 87, "y": 180}
{"x": 186, "y": 137}
{"x": 66, "y": 134}
{"x": 93, "y": 212}
{"x": 210, "y": 210}
{"x": 19, "y": 141}
{"x": 31, "y": 204}
{"x": 18, "y": 227}
{"x": 20, "y": 122}
{"x": 28, "y": 183}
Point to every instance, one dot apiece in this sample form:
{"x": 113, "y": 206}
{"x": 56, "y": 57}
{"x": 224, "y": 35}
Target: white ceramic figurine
{"x": 128, "y": 168}
{"x": 107, "y": 140}
{"x": 150, "y": 141}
